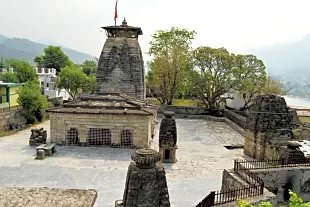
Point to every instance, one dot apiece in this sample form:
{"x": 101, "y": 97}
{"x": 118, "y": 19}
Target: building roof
{"x": 124, "y": 26}
{"x": 107, "y": 104}
{"x": 8, "y": 85}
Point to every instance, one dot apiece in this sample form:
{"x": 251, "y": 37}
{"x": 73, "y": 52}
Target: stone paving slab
{"x": 201, "y": 159}
{"x": 46, "y": 197}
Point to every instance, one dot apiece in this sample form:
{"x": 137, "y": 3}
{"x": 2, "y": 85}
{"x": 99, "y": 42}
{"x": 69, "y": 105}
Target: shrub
{"x": 33, "y": 101}
{"x": 295, "y": 201}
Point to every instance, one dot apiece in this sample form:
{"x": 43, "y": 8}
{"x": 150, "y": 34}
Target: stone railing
{"x": 236, "y": 118}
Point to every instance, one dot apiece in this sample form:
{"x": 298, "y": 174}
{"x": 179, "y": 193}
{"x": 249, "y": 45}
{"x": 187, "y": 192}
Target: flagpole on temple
{"x": 115, "y": 15}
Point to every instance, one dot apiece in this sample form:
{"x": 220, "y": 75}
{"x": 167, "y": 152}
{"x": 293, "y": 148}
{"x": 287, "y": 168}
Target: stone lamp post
{"x": 168, "y": 138}
{"x": 146, "y": 184}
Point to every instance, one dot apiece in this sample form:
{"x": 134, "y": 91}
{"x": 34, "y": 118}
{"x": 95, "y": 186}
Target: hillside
{"x": 283, "y": 58}
{"x": 289, "y": 63}
{"x": 19, "y": 48}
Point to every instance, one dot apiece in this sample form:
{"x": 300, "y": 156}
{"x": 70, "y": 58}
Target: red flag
{"x": 115, "y": 15}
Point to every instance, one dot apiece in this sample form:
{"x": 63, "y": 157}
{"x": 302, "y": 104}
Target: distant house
{"x": 48, "y": 78}
{"x": 9, "y": 95}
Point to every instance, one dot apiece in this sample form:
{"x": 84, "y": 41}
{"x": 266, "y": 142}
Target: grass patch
{"x": 304, "y": 119}
{"x": 177, "y": 102}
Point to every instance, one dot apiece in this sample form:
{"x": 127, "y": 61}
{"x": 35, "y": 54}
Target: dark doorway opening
{"x": 287, "y": 189}
{"x": 72, "y": 137}
{"x": 167, "y": 154}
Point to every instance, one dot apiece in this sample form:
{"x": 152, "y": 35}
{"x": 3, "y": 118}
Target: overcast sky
{"x": 238, "y": 25}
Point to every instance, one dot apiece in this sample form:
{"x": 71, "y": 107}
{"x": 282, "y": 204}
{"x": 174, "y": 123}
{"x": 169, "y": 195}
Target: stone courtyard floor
{"x": 201, "y": 159}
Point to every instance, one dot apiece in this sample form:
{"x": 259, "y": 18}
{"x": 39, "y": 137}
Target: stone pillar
{"x": 146, "y": 184}
{"x": 269, "y": 126}
{"x": 168, "y": 138}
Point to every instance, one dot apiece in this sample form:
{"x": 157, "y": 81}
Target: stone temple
{"x": 116, "y": 115}
{"x": 121, "y": 67}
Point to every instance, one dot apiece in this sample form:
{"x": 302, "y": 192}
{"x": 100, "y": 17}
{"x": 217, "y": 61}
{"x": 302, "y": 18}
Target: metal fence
{"x": 221, "y": 197}
{"x": 293, "y": 161}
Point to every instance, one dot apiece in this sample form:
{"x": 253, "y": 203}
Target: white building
{"x": 47, "y": 78}
{"x": 236, "y": 102}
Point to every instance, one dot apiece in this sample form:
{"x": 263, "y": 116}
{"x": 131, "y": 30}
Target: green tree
{"x": 256, "y": 79}
{"x": 274, "y": 86}
{"x": 9, "y": 77}
{"x": 220, "y": 71}
{"x": 2, "y": 63}
{"x": 39, "y": 60}
{"x": 90, "y": 84}
{"x": 33, "y": 101}
{"x": 170, "y": 51}
{"x": 73, "y": 79}
{"x": 53, "y": 57}
{"x": 89, "y": 67}
{"x": 24, "y": 71}
{"x": 11, "y": 63}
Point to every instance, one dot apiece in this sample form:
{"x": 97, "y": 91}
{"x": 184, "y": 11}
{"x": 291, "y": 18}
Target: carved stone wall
{"x": 121, "y": 68}
{"x": 140, "y": 126}
{"x": 269, "y": 126}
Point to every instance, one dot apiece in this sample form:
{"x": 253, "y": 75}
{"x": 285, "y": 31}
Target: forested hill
{"x": 19, "y": 48}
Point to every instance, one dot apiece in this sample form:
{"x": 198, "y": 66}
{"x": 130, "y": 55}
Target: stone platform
{"x": 201, "y": 160}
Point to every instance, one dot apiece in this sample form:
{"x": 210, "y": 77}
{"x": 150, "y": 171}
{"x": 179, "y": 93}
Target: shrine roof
{"x": 106, "y": 104}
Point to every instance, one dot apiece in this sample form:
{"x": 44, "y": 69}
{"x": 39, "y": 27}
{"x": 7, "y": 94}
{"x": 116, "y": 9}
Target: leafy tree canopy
{"x": 220, "y": 71}
{"x": 89, "y": 67}
{"x": 9, "y": 77}
{"x": 24, "y": 71}
{"x": 171, "y": 56}
{"x": 33, "y": 101}
{"x": 274, "y": 86}
{"x": 53, "y": 57}
{"x": 73, "y": 79}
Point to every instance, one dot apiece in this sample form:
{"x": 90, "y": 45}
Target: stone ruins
{"x": 291, "y": 153}
{"x": 116, "y": 115}
{"x": 269, "y": 126}
{"x": 168, "y": 138}
{"x": 121, "y": 66}
{"x": 37, "y": 137}
{"x": 146, "y": 184}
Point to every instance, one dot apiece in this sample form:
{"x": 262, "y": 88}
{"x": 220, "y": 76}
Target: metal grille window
{"x": 72, "y": 137}
{"x": 127, "y": 138}
{"x": 99, "y": 137}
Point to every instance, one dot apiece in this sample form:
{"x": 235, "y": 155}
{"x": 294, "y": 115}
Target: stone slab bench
{"x": 49, "y": 150}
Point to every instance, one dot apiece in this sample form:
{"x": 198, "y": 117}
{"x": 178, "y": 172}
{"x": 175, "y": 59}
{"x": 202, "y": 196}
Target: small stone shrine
{"x": 38, "y": 137}
{"x": 116, "y": 115}
{"x": 146, "y": 184}
{"x": 168, "y": 138}
{"x": 291, "y": 154}
{"x": 269, "y": 126}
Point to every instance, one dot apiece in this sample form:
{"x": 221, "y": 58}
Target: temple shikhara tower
{"x": 116, "y": 115}
{"x": 121, "y": 67}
